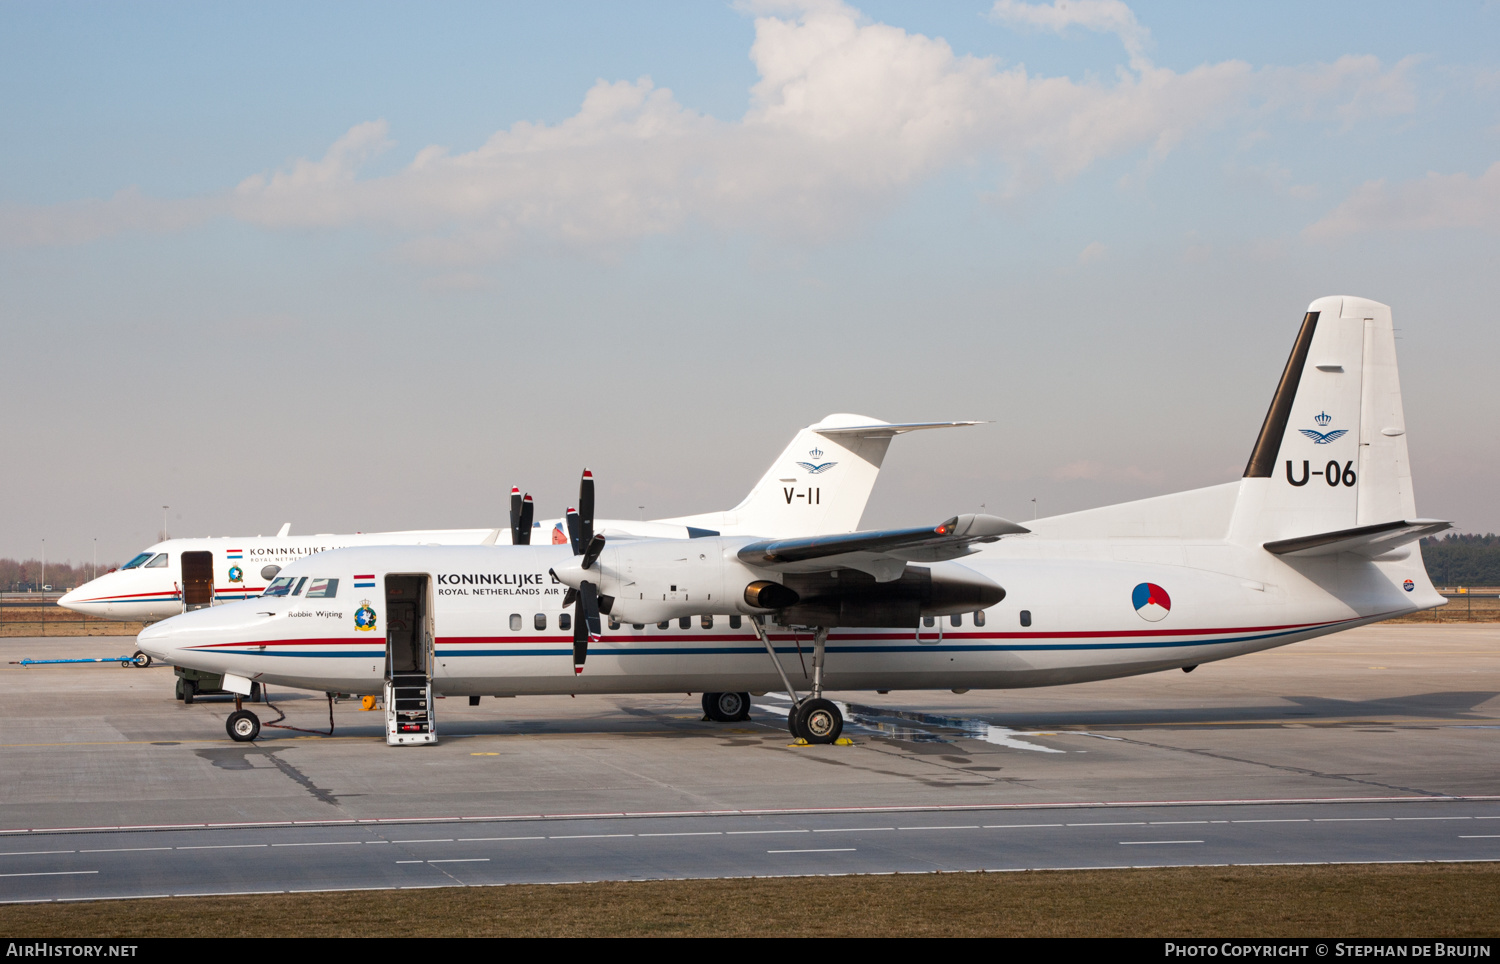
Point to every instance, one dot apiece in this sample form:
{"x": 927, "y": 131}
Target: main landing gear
{"x": 812, "y": 719}
{"x": 726, "y": 707}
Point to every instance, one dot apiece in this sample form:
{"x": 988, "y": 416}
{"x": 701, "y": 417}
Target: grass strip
{"x": 1366, "y": 900}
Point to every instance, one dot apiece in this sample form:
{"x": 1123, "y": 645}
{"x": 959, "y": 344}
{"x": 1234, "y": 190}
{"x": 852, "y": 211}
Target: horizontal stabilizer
{"x": 887, "y": 429}
{"x": 882, "y": 553}
{"x": 1365, "y": 540}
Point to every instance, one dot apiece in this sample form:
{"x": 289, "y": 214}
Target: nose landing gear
{"x": 243, "y": 726}
{"x": 726, "y": 707}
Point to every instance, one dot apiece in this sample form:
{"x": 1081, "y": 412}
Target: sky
{"x": 365, "y": 266}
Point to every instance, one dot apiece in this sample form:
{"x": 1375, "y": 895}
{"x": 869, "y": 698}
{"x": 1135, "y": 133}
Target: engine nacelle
{"x": 650, "y": 581}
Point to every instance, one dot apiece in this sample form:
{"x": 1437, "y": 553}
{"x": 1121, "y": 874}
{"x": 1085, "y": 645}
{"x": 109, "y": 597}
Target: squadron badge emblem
{"x": 364, "y": 617}
{"x": 236, "y": 574}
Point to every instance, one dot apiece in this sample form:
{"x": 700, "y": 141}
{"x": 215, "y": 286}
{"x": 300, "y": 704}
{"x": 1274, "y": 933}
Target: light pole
{"x": 43, "y": 581}
{"x": 96, "y": 558}
{"x": 164, "y": 522}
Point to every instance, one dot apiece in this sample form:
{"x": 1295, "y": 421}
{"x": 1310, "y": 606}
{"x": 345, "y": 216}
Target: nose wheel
{"x": 726, "y": 707}
{"x": 243, "y": 726}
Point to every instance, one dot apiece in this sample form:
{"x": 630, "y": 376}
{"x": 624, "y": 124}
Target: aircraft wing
{"x": 882, "y": 553}
{"x": 1369, "y": 540}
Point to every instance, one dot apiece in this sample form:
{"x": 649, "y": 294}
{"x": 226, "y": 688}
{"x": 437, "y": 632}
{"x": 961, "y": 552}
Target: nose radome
{"x": 81, "y": 600}
{"x": 155, "y": 640}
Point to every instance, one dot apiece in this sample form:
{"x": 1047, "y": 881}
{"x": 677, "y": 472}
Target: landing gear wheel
{"x": 243, "y": 726}
{"x": 179, "y": 689}
{"x": 142, "y": 659}
{"x": 189, "y": 690}
{"x": 820, "y": 721}
{"x": 255, "y": 693}
{"x": 726, "y": 707}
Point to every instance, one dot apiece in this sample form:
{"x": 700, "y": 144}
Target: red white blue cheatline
{"x": 1151, "y": 602}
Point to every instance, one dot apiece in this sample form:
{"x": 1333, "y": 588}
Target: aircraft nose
{"x": 156, "y": 640}
{"x": 75, "y": 600}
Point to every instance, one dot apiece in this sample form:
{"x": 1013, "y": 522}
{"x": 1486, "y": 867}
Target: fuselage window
{"x": 539, "y": 621}
{"x": 323, "y": 589}
{"x": 159, "y": 561}
{"x": 515, "y": 622}
{"x": 565, "y": 621}
{"x": 684, "y": 622}
{"x": 614, "y": 623}
{"x": 137, "y": 561}
{"x": 297, "y": 590}
{"x": 666, "y": 624}
{"x": 707, "y": 622}
{"x": 1025, "y": 617}
{"x": 637, "y": 626}
{"x": 734, "y": 622}
{"x": 957, "y": 619}
{"x": 280, "y": 587}
{"x": 979, "y": 617}
{"x": 928, "y": 621}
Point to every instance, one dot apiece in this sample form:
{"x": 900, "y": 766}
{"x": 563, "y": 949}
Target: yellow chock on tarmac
{"x": 368, "y": 703}
{"x": 843, "y": 741}
{"x": 800, "y": 742}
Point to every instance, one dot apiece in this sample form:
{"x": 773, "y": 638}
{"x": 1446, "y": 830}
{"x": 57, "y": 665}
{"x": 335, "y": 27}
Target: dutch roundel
{"x": 1151, "y": 601}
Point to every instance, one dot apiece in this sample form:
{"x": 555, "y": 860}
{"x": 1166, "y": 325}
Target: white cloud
{"x": 847, "y": 116}
{"x": 1430, "y": 203}
{"x": 1101, "y": 16}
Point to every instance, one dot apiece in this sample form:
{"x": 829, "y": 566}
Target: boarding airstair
{"x": 408, "y": 710}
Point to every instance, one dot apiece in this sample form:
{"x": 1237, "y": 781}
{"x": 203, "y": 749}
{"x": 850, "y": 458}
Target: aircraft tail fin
{"x": 819, "y": 484}
{"x": 1331, "y": 455}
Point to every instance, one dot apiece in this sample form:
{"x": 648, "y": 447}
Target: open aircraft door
{"x": 197, "y": 580}
{"x": 408, "y": 660}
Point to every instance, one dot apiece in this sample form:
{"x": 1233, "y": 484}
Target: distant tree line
{"x": 22, "y": 575}
{"x": 1462, "y": 559}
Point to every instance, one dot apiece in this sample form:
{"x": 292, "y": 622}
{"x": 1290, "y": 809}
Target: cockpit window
{"x": 297, "y": 589}
{"x": 281, "y": 586}
{"x": 159, "y": 561}
{"x": 323, "y": 589}
{"x": 137, "y": 560}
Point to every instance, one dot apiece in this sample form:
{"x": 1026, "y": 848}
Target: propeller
{"x": 521, "y": 510}
{"x": 585, "y": 600}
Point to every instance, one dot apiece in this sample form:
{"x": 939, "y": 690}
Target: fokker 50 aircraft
{"x": 801, "y": 494}
{"x": 1319, "y": 535}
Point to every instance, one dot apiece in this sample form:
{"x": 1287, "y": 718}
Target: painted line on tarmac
{"x": 771, "y": 811}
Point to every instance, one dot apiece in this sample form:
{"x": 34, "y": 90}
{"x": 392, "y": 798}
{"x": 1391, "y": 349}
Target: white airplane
{"x": 797, "y": 496}
{"x": 1319, "y": 535}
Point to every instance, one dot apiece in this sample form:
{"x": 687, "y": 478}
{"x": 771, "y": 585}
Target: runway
{"x": 242, "y": 860}
{"x": 1394, "y": 728}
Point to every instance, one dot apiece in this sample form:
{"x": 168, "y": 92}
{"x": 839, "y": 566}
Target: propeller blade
{"x": 575, "y": 535}
{"x": 515, "y": 516}
{"x": 585, "y": 624}
{"x": 580, "y": 642}
{"x": 586, "y": 509}
{"x": 570, "y": 596}
{"x": 528, "y": 509}
{"x": 591, "y": 553}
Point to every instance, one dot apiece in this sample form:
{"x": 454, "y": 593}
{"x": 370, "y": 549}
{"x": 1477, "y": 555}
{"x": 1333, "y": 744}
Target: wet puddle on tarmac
{"x": 913, "y": 727}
